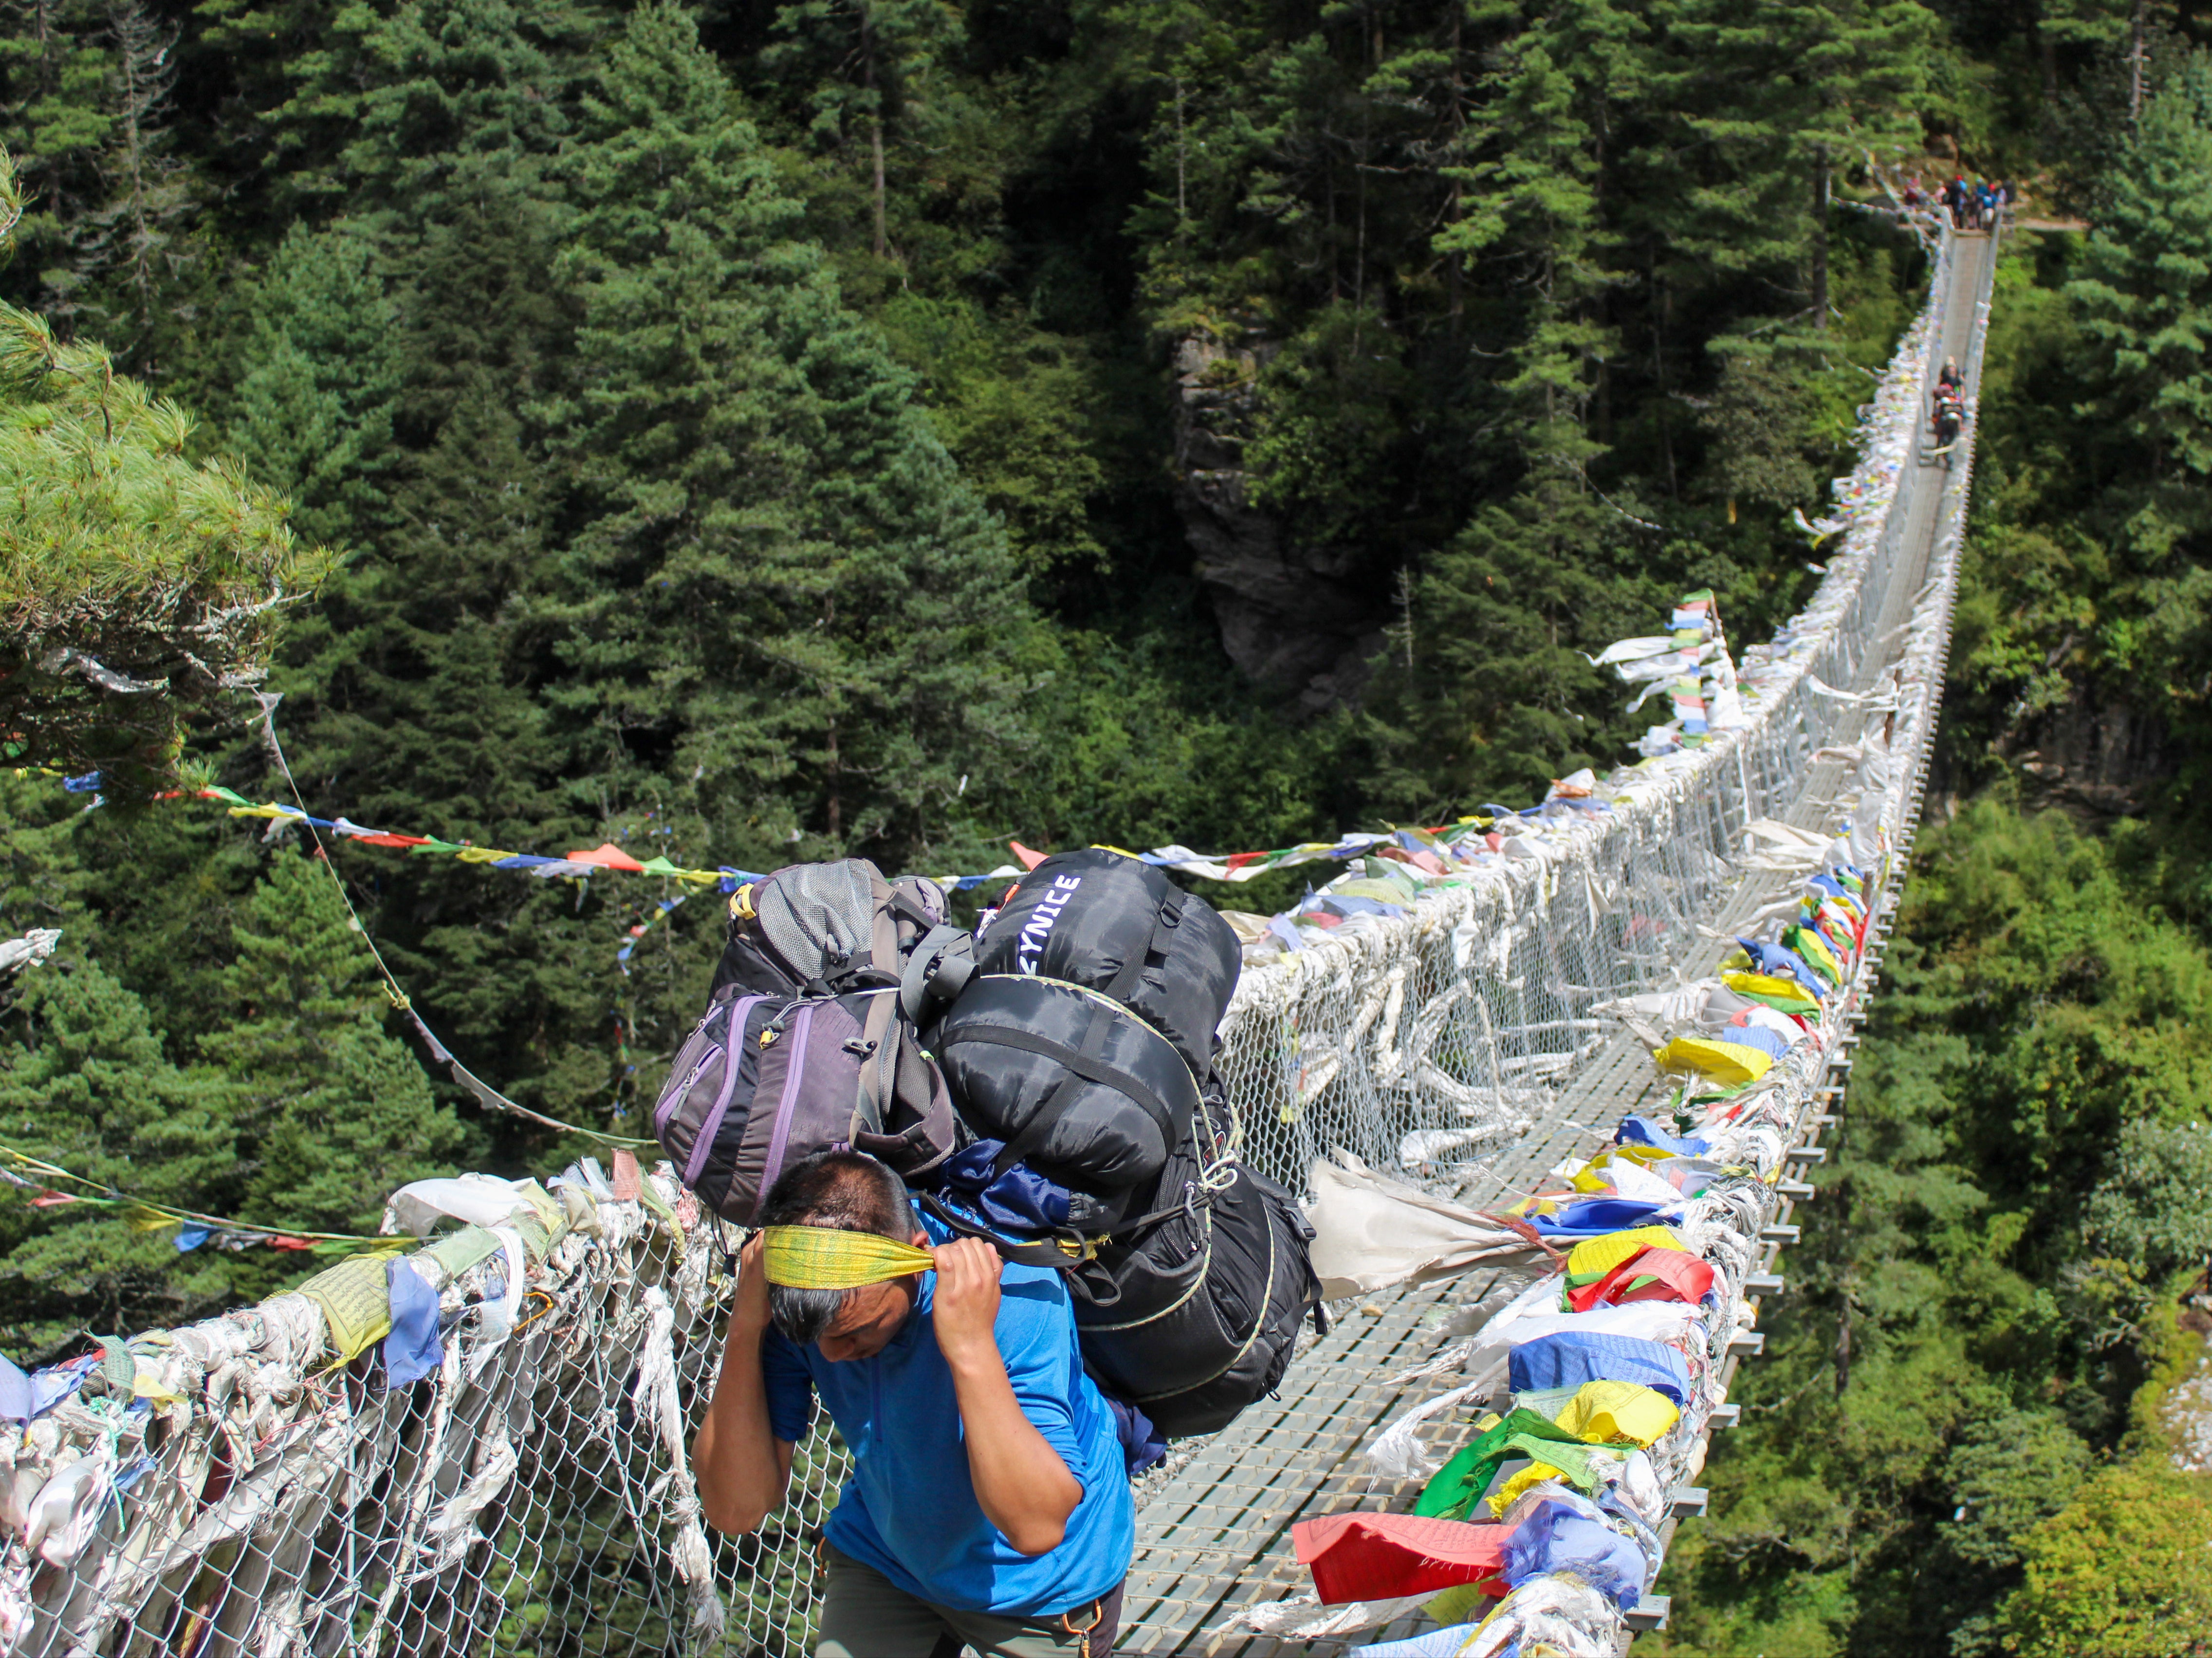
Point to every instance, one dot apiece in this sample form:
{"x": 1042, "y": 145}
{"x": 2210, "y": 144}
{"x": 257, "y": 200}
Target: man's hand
{"x": 965, "y": 1309}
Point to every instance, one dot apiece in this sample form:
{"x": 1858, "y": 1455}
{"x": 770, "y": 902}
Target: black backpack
{"x": 1209, "y": 1305}
{"x": 1113, "y": 924}
{"x": 1075, "y": 1084}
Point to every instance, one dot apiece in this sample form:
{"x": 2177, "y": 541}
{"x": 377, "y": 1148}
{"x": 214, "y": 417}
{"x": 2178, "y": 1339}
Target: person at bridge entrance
{"x": 988, "y": 1504}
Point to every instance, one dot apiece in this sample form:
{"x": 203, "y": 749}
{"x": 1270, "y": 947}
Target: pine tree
{"x": 1494, "y": 697}
{"x": 137, "y": 584}
{"x": 133, "y": 240}
{"x": 87, "y": 111}
{"x": 2144, "y": 302}
{"x": 58, "y": 123}
{"x": 2145, "y": 294}
{"x": 331, "y": 1111}
{"x": 414, "y": 694}
{"x": 1796, "y": 92}
{"x": 781, "y": 583}
{"x": 84, "y": 1085}
{"x": 866, "y": 66}
{"x": 313, "y": 412}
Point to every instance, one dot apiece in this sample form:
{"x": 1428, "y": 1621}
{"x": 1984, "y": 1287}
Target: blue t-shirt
{"x": 909, "y": 1509}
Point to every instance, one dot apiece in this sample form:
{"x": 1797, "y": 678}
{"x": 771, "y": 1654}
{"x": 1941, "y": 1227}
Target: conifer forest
{"x": 749, "y": 431}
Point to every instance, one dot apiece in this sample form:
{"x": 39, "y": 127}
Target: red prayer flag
{"x": 1377, "y": 1557}
{"x": 1674, "y": 1276}
{"x": 607, "y": 855}
{"x": 1030, "y": 859}
{"x": 628, "y": 1179}
{"x": 380, "y": 839}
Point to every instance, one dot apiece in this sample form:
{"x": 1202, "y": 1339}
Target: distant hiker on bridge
{"x": 988, "y": 1501}
{"x": 1950, "y": 416}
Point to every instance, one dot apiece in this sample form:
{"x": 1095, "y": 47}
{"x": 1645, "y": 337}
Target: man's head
{"x": 844, "y": 1192}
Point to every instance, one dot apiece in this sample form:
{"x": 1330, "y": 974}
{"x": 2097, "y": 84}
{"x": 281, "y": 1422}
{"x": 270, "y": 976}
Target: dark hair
{"x": 847, "y": 1192}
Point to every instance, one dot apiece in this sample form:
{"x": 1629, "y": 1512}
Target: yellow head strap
{"x": 823, "y": 1258}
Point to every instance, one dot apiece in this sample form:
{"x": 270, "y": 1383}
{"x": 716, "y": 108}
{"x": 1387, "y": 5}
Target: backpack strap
{"x": 1082, "y": 1062}
{"x": 879, "y": 1082}
{"x": 1165, "y": 919}
{"x": 1069, "y": 1253}
{"x": 884, "y": 923}
{"x": 937, "y": 971}
{"x": 904, "y": 908}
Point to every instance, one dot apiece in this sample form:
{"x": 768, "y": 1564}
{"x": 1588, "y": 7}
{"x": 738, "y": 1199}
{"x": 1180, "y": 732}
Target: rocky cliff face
{"x": 1290, "y": 617}
{"x": 2092, "y": 757}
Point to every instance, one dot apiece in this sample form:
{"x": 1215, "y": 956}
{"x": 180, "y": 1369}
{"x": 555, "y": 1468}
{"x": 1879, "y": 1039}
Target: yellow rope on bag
{"x": 824, "y": 1258}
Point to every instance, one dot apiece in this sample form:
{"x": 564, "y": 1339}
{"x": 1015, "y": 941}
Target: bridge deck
{"x": 1217, "y": 1534}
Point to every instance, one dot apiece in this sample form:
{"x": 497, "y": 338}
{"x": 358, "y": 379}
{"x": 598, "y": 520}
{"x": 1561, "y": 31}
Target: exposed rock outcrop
{"x": 2091, "y": 757}
{"x": 1289, "y": 618}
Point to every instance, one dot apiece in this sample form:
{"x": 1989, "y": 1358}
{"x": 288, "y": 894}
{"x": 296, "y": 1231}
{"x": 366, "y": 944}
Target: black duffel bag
{"x": 1077, "y": 1086}
{"x": 1113, "y": 923}
{"x": 1189, "y": 1307}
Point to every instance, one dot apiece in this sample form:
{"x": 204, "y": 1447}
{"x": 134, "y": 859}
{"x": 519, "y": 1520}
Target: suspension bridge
{"x": 233, "y": 1487}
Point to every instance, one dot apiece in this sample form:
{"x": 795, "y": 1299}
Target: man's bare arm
{"x": 743, "y": 1469}
{"x": 1021, "y": 1484}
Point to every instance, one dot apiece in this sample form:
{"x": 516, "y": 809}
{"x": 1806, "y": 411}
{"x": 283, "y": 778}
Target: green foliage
{"x": 1018, "y": 407}
{"x": 1757, "y": 416}
{"x": 2092, "y": 583}
{"x": 2152, "y": 1215}
{"x": 2119, "y": 1573}
{"x": 336, "y": 1112}
{"x": 314, "y": 412}
{"x": 1952, "y": 1355}
{"x": 2145, "y": 294}
{"x": 747, "y": 452}
{"x": 85, "y": 1084}
{"x": 251, "y": 1074}
{"x": 1328, "y": 452}
{"x": 134, "y": 584}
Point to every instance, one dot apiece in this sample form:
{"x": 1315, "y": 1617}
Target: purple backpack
{"x": 766, "y": 1079}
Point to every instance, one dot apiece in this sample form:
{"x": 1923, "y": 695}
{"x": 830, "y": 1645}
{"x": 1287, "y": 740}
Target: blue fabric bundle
{"x": 1779, "y": 964}
{"x": 1642, "y": 1131}
{"x": 1020, "y": 1201}
{"x": 1593, "y": 1218}
{"x": 1569, "y": 1357}
{"x": 1566, "y": 1533}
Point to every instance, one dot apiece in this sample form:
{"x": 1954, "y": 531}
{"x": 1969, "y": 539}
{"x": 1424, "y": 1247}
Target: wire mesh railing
{"x": 237, "y": 1487}
{"x": 1460, "y": 1022}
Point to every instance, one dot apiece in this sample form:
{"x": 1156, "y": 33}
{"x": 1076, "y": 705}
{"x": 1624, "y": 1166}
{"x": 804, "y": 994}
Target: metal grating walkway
{"x": 1217, "y": 1534}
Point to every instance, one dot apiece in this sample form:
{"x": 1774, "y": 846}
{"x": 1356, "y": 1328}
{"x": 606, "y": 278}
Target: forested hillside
{"x": 749, "y": 431}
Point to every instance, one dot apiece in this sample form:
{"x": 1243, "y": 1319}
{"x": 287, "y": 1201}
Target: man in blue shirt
{"x": 988, "y": 1503}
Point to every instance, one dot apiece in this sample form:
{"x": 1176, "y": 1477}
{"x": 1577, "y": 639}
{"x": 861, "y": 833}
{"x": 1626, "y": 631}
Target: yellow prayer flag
{"x": 1612, "y": 1412}
{"x": 1596, "y": 1257}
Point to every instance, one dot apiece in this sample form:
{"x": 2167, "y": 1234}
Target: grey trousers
{"x": 866, "y": 1615}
